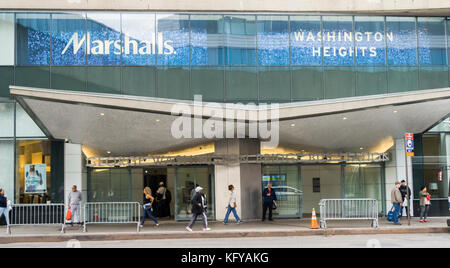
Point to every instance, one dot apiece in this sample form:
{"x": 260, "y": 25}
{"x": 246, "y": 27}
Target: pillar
{"x": 246, "y": 179}
{"x": 75, "y": 172}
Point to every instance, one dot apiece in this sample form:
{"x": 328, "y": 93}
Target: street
{"x": 347, "y": 241}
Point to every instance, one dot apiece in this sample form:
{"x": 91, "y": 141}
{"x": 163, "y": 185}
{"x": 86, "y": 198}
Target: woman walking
{"x": 425, "y": 203}
{"x": 198, "y": 208}
{"x": 232, "y": 205}
{"x": 148, "y": 202}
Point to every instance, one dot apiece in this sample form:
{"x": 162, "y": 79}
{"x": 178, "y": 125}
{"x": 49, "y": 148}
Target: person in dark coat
{"x": 406, "y": 193}
{"x": 198, "y": 208}
{"x": 268, "y": 196}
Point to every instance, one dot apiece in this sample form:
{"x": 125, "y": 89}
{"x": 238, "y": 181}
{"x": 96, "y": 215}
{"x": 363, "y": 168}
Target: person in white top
{"x": 232, "y": 205}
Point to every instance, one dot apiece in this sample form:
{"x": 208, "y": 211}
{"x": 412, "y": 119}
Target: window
{"x": 33, "y": 38}
{"x": 306, "y": 43}
{"x": 139, "y": 39}
{"x": 273, "y": 40}
{"x": 7, "y": 37}
{"x": 139, "y": 81}
{"x": 370, "y": 43}
{"x": 206, "y": 39}
{"x": 401, "y": 40}
{"x": 104, "y": 44}
{"x": 240, "y": 40}
{"x": 432, "y": 43}
{"x": 338, "y": 48}
{"x": 69, "y": 39}
{"x": 172, "y": 39}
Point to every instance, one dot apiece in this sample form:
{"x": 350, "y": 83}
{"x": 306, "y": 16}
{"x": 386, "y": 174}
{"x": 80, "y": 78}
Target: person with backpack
{"x": 4, "y": 207}
{"x": 232, "y": 205}
{"x": 424, "y": 199}
{"x": 198, "y": 209}
{"x": 148, "y": 206}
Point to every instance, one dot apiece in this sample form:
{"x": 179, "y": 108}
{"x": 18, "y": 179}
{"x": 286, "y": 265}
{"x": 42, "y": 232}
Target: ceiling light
{"x": 292, "y": 125}
{"x": 157, "y": 120}
{"x": 102, "y": 114}
{"x": 344, "y": 118}
{"x": 361, "y": 148}
{"x": 395, "y": 112}
{"x": 108, "y": 152}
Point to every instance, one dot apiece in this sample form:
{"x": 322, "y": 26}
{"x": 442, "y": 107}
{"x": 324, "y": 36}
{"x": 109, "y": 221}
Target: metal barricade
{"x": 112, "y": 212}
{"x": 37, "y": 214}
{"x": 348, "y": 209}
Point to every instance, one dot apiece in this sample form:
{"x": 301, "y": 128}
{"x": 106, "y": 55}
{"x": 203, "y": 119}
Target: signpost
{"x": 409, "y": 146}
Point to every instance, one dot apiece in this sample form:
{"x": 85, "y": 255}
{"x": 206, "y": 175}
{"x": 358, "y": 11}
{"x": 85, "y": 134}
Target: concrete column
{"x": 75, "y": 171}
{"x": 246, "y": 179}
{"x": 445, "y": 163}
{"x": 396, "y": 171}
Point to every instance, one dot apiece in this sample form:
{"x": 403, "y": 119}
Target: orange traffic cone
{"x": 314, "y": 224}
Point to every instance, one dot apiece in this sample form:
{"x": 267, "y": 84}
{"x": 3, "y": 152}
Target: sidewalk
{"x": 174, "y": 230}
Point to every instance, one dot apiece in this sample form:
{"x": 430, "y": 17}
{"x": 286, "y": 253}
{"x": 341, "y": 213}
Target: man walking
{"x": 406, "y": 194}
{"x": 4, "y": 207}
{"x": 268, "y": 197}
{"x": 396, "y": 199}
{"x": 75, "y": 198}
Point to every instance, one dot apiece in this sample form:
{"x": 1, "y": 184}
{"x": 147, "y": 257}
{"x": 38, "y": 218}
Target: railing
{"x": 289, "y": 205}
{"x": 37, "y": 214}
{"x": 112, "y": 212}
{"x": 348, "y": 209}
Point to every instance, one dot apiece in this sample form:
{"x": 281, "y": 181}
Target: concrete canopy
{"x": 135, "y": 126}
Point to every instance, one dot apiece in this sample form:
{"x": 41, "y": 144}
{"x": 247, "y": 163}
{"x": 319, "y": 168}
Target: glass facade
{"x": 243, "y": 57}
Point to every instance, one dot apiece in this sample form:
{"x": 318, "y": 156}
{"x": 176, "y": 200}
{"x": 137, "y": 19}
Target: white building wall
{"x": 75, "y": 172}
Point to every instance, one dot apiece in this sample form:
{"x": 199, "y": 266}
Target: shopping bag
{"x": 390, "y": 216}
{"x": 9, "y": 206}
{"x": 69, "y": 215}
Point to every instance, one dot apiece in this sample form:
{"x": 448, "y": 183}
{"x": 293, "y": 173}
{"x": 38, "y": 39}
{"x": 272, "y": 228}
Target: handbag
{"x": 274, "y": 205}
{"x": 390, "y": 215}
{"x": 69, "y": 215}
{"x": 8, "y": 206}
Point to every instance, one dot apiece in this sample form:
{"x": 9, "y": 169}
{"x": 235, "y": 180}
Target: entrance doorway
{"x": 156, "y": 180}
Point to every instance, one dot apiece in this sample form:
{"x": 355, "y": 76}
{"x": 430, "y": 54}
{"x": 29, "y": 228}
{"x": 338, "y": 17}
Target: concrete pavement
{"x": 175, "y": 230}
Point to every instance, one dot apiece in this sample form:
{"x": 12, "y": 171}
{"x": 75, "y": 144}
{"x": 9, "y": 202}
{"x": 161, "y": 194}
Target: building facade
{"x": 79, "y": 81}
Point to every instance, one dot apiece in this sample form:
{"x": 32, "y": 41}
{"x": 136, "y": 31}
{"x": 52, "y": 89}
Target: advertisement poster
{"x": 35, "y": 179}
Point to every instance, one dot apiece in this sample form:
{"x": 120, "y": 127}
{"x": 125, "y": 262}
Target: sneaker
{"x": 426, "y": 220}
{"x": 157, "y": 224}
{"x": 206, "y": 229}
{"x": 225, "y": 223}
{"x": 188, "y": 229}
{"x": 421, "y": 221}
{"x": 239, "y": 222}
{"x": 141, "y": 226}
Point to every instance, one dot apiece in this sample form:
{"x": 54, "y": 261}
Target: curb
{"x": 185, "y": 235}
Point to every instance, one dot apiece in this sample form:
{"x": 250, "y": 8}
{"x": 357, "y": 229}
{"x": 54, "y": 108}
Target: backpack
{"x": 390, "y": 215}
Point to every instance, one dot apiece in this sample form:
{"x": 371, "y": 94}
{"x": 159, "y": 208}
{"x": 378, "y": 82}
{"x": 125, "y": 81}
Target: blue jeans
{"x": 148, "y": 212}
{"x": 397, "y": 212}
{"x": 230, "y": 209}
{"x": 4, "y": 211}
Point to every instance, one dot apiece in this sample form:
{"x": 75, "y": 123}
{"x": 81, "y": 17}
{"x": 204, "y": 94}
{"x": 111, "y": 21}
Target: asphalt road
{"x": 351, "y": 241}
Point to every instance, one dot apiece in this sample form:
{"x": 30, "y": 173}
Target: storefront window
{"x": 273, "y": 40}
{"x": 306, "y": 42}
{"x": 69, "y": 39}
{"x": 432, "y": 43}
{"x": 34, "y": 172}
{"x": 187, "y": 179}
{"x": 206, "y": 39}
{"x": 286, "y": 183}
{"x": 33, "y": 38}
{"x": 7, "y": 37}
{"x": 172, "y": 39}
{"x": 103, "y": 42}
{"x": 139, "y": 39}
{"x": 401, "y": 40}
{"x": 240, "y": 40}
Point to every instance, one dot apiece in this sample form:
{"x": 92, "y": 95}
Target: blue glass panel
{"x": 273, "y": 40}
{"x": 103, "y": 39}
{"x": 370, "y": 43}
{"x": 306, "y": 44}
{"x": 68, "y": 39}
{"x": 432, "y": 47}
{"x": 172, "y": 39}
{"x": 240, "y": 40}
{"x": 139, "y": 39}
{"x": 206, "y": 40}
{"x": 401, "y": 40}
{"x": 33, "y": 39}
{"x": 337, "y": 40}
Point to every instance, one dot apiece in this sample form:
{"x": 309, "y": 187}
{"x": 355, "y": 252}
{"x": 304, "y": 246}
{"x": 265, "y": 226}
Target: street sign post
{"x": 409, "y": 146}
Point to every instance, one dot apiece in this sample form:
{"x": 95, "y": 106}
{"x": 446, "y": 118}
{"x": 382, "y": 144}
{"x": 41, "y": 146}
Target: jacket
{"x": 422, "y": 197}
{"x": 3, "y": 202}
{"x": 405, "y": 190}
{"x": 396, "y": 196}
{"x": 197, "y": 199}
{"x": 271, "y": 198}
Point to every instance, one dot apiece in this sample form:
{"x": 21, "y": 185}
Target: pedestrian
{"x": 232, "y": 205}
{"x": 198, "y": 208}
{"x": 75, "y": 198}
{"x": 148, "y": 207}
{"x": 269, "y": 196}
{"x": 406, "y": 197}
{"x": 4, "y": 207}
{"x": 397, "y": 202}
{"x": 424, "y": 198}
{"x": 163, "y": 198}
